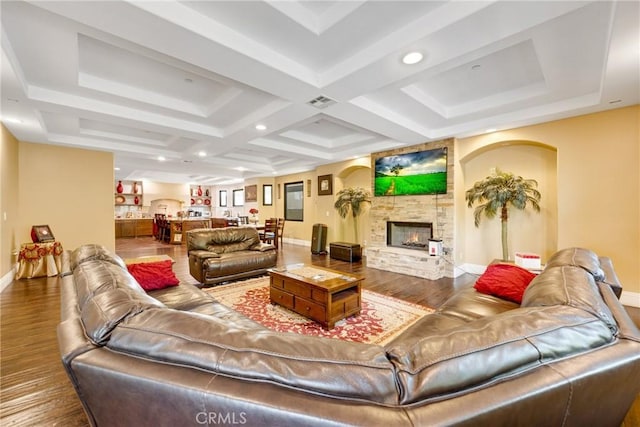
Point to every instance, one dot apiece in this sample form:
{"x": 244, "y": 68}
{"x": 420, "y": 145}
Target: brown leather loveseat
{"x": 221, "y": 254}
{"x": 568, "y": 355}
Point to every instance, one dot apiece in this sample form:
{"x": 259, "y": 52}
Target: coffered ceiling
{"x": 189, "y": 81}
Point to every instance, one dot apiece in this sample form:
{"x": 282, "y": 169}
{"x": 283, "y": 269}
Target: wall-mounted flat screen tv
{"x": 421, "y": 172}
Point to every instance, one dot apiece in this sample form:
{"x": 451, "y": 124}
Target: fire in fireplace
{"x": 409, "y": 235}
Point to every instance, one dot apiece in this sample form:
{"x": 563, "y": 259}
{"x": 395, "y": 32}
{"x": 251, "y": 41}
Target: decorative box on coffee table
{"x": 345, "y": 251}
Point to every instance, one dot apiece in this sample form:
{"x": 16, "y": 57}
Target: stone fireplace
{"x": 435, "y": 210}
{"x": 409, "y": 234}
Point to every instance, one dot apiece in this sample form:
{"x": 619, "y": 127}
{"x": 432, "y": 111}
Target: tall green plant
{"x": 496, "y": 193}
{"x": 352, "y": 199}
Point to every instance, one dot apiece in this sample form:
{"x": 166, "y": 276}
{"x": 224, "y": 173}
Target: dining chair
{"x": 280, "y": 229}
{"x": 270, "y": 232}
{"x": 165, "y": 230}
{"x": 159, "y": 221}
{"x": 244, "y": 220}
{"x": 232, "y": 222}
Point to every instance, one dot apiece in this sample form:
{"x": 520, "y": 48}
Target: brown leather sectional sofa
{"x": 221, "y": 254}
{"x": 568, "y": 355}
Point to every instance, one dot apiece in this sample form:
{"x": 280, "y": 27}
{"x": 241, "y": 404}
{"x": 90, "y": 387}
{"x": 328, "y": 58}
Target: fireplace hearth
{"x": 409, "y": 235}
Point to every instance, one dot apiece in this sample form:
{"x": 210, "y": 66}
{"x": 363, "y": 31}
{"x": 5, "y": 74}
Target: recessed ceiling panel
{"x": 369, "y": 23}
{"x": 144, "y": 79}
{"x": 143, "y": 75}
{"x": 504, "y": 71}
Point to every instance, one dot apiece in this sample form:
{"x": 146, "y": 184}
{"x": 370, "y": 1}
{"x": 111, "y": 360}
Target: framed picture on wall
{"x": 325, "y": 185}
{"x": 223, "y": 198}
{"x": 251, "y": 193}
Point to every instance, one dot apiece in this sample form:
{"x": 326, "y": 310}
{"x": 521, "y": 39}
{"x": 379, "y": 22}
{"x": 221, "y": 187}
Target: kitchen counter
{"x": 133, "y": 227}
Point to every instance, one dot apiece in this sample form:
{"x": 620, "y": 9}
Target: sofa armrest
{"x": 204, "y": 254}
{"x": 262, "y": 247}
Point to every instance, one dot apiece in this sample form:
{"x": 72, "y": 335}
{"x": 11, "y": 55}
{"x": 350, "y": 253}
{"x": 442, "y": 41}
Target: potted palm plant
{"x": 352, "y": 199}
{"x": 496, "y": 193}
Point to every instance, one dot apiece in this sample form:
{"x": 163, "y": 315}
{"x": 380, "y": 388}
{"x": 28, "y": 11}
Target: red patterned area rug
{"x": 381, "y": 319}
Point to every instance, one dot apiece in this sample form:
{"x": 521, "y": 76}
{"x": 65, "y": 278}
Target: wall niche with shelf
{"x": 200, "y": 196}
{"x": 128, "y": 193}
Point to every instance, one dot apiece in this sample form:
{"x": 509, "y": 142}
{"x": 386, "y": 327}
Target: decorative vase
{"x": 199, "y": 191}
{"x": 136, "y": 200}
{"x": 206, "y": 192}
{"x": 119, "y": 188}
{"x": 134, "y": 190}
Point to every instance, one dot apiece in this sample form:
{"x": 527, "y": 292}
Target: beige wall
{"x": 8, "y": 201}
{"x": 319, "y": 209}
{"x": 163, "y": 190}
{"x": 69, "y": 189}
{"x": 598, "y": 186}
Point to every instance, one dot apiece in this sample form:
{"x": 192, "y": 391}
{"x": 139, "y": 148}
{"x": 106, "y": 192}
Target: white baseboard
{"x": 7, "y": 279}
{"x": 476, "y": 269}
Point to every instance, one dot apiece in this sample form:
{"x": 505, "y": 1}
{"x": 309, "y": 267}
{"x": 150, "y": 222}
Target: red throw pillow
{"x": 504, "y": 281}
{"x": 154, "y": 275}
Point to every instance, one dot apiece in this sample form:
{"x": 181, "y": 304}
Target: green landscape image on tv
{"x": 421, "y": 172}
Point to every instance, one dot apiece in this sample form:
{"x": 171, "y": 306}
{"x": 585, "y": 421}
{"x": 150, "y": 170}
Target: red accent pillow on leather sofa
{"x": 154, "y": 275}
{"x": 505, "y": 281}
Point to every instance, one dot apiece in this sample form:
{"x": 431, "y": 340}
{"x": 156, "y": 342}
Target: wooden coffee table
{"x": 319, "y": 294}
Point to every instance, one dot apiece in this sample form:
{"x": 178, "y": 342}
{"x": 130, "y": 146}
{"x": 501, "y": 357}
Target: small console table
{"x": 39, "y": 260}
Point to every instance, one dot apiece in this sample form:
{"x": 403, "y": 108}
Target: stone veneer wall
{"x": 437, "y": 209}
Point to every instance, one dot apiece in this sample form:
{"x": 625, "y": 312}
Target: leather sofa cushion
{"x": 463, "y": 307}
{"x": 91, "y": 252}
{"x": 333, "y": 368}
{"x": 97, "y": 276}
{"x": 578, "y": 257}
{"x": 469, "y": 304}
{"x": 492, "y": 349}
{"x": 223, "y": 240}
{"x": 238, "y": 262}
{"x": 568, "y": 285}
{"x": 185, "y": 297}
{"x": 610, "y": 277}
{"x": 105, "y": 311}
{"x": 107, "y": 294}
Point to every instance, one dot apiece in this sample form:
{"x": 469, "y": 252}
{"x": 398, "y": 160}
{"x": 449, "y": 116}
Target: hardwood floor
{"x": 34, "y": 387}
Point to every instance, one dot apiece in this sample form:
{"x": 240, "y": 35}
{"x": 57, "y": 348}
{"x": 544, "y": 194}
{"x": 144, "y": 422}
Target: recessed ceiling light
{"x": 412, "y": 58}
{"x": 490, "y": 130}
{"x": 202, "y": 153}
{"x": 161, "y": 158}
{"x": 261, "y": 127}
{"x": 188, "y": 80}
{"x": 476, "y": 67}
{"x": 615, "y": 101}
{"x": 116, "y": 169}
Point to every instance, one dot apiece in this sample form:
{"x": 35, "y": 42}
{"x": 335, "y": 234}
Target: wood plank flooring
{"x": 34, "y": 388}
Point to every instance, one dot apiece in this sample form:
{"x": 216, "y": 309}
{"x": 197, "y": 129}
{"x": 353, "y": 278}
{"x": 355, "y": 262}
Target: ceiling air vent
{"x": 321, "y": 102}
